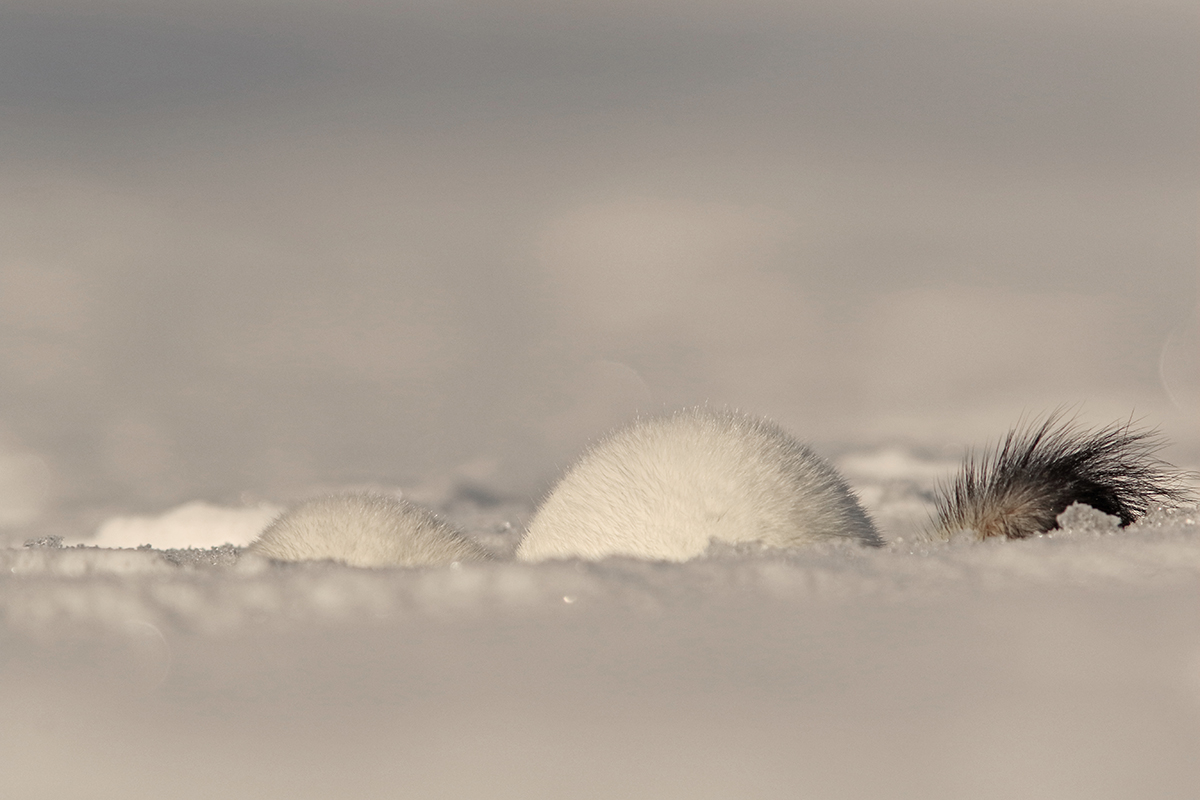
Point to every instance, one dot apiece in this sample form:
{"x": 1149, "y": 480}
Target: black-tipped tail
{"x": 1019, "y": 488}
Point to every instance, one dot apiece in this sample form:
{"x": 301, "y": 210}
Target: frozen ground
{"x": 1062, "y": 667}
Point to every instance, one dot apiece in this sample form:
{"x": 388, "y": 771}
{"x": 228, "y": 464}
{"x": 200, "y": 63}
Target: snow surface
{"x": 195, "y": 524}
{"x": 1063, "y": 666}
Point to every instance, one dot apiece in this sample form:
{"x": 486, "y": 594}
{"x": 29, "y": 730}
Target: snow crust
{"x": 1062, "y": 666}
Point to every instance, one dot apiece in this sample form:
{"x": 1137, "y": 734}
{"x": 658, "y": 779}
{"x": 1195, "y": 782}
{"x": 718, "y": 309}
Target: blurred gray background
{"x": 251, "y": 248}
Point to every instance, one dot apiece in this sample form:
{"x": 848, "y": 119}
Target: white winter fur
{"x": 365, "y": 530}
{"x": 665, "y": 487}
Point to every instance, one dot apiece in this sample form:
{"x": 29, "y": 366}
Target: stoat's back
{"x": 365, "y": 530}
{"x": 665, "y": 487}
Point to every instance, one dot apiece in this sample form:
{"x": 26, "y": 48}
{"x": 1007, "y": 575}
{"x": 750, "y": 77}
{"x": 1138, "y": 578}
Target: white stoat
{"x": 664, "y": 487}
{"x": 365, "y": 530}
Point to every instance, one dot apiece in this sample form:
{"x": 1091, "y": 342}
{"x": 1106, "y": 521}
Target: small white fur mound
{"x": 663, "y": 488}
{"x": 365, "y": 530}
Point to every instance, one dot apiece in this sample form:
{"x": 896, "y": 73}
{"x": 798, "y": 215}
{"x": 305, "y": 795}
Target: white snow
{"x": 194, "y": 524}
{"x": 1066, "y": 666}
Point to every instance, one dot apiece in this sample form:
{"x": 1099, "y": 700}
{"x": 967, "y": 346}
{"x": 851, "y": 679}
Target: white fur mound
{"x": 365, "y": 530}
{"x": 663, "y": 488}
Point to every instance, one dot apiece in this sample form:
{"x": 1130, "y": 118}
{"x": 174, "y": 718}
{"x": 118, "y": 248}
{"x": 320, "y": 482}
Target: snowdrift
{"x": 1062, "y": 666}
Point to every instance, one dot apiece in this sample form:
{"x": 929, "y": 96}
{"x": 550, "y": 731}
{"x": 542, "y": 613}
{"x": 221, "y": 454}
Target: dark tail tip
{"x": 1019, "y": 488}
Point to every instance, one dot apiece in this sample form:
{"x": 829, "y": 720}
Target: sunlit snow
{"x": 1062, "y": 666}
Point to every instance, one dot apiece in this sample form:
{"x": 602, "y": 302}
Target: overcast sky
{"x": 266, "y": 246}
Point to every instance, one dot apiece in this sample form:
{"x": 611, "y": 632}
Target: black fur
{"x": 1019, "y": 488}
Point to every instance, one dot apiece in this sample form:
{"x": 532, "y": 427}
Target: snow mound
{"x": 195, "y": 524}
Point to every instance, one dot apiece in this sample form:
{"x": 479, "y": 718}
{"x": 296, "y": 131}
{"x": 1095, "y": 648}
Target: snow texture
{"x": 1065, "y": 665}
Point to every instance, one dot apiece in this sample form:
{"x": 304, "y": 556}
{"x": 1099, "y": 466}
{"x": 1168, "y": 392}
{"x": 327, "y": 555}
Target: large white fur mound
{"x": 365, "y": 530}
{"x": 665, "y": 487}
